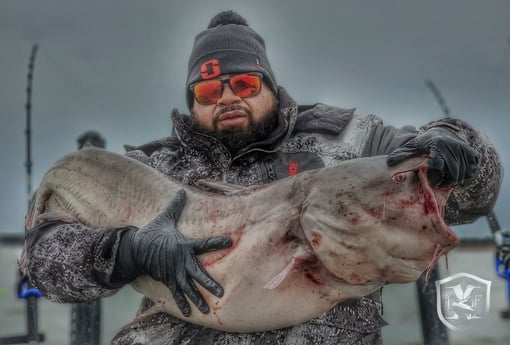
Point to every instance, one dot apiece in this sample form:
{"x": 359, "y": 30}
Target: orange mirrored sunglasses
{"x": 208, "y": 92}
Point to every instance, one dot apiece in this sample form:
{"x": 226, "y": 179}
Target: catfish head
{"x": 371, "y": 223}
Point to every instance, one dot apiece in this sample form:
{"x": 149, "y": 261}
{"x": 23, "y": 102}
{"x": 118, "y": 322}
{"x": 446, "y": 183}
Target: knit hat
{"x": 227, "y": 46}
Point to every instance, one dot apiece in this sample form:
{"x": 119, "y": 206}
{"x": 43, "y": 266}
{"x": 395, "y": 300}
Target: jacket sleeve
{"x": 476, "y": 196}
{"x": 72, "y": 263}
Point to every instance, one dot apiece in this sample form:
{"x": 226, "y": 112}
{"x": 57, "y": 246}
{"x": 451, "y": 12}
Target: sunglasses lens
{"x": 245, "y": 85}
{"x": 208, "y": 92}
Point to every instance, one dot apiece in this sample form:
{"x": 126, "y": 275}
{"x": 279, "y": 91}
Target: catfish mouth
{"x": 434, "y": 203}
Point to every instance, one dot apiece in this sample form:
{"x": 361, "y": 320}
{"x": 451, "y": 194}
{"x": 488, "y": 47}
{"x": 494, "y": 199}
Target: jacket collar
{"x": 287, "y": 114}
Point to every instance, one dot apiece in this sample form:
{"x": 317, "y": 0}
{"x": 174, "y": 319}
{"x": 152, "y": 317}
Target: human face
{"x": 232, "y": 112}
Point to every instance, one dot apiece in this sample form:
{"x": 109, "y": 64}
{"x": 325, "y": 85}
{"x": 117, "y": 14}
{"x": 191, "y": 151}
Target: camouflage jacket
{"x": 70, "y": 262}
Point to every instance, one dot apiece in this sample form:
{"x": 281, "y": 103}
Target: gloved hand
{"x": 450, "y": 159}
{"x": 162, "y": 252}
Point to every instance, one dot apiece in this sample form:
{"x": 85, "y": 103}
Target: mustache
{"x": 231, "y": 107}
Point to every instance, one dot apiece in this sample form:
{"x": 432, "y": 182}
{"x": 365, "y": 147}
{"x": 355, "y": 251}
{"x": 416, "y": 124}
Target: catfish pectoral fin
{"x": 296, "y": 261}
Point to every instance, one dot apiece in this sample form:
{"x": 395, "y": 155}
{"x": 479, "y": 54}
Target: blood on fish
{"x": 408, "y": 202}
{"x": 316, "y": 239}
{"x": 212, "y": 258}
{"x": 310, "y": 277}
{"x": 354, "y": 278}
{"x": 354, "y": 218}
{"x": 373, "y": 212}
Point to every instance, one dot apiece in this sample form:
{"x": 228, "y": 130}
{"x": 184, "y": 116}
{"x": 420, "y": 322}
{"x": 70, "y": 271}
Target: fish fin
{"x": 294, "y": 262}
{"x": 280, "y": 277}
{"x": 221, "y": 187}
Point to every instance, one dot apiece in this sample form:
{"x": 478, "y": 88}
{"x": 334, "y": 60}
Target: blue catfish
{"x": 300, "y": 244}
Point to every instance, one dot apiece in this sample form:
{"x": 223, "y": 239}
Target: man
{"x": 245, "y": 129}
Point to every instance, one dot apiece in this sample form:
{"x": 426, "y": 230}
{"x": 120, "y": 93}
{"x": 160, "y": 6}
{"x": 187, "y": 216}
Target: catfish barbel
{"x": 300, "y": 245}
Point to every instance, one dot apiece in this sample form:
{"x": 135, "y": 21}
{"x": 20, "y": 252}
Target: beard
{"x": 235, "y": 138}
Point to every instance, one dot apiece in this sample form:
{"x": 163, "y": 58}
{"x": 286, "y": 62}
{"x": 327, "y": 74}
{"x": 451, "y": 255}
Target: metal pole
{"x": 32, "y": 321}
{"x": 86, "y": 323}
{"x": 434, "y": 332}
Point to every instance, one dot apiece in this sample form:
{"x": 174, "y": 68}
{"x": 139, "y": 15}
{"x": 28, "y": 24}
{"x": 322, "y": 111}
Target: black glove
{"x": 162, "y": 252}
{"x": 450, "y": 159}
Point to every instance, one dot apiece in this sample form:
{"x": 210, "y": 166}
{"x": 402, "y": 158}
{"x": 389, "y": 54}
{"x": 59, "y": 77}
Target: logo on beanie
{"x": 210, "y": 69}
{"x": 259, "y": 65}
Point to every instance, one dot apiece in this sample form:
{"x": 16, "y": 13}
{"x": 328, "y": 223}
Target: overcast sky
{"x": 119, "y": 67}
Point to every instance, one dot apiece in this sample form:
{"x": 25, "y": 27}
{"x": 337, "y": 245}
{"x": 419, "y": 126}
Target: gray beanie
{"x": 227, "y": 46}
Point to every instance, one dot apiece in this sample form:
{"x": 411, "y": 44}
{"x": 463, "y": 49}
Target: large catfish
{"x": 300, "y": 245}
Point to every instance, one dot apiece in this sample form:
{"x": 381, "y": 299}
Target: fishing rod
{"x": 500, "y": 236}
{"x": 25, "y": 290}
{"x": 439, "y": 98}
{"x": 28, "y": 125}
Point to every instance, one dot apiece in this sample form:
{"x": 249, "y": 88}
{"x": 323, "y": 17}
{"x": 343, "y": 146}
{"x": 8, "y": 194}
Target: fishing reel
{"x": 26, "y": 291}
{"x": 502, "y": 239}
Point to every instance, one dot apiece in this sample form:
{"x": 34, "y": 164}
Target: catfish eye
{"x": 399, "y": 178}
